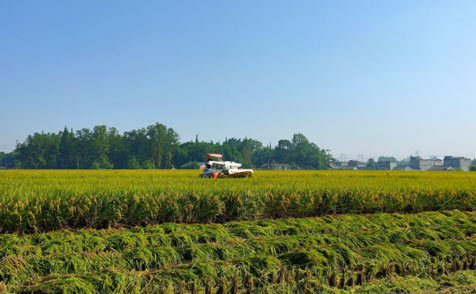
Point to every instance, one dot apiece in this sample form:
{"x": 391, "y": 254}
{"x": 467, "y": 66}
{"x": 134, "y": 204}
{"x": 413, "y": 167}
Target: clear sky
{"x": 356, "y": 77}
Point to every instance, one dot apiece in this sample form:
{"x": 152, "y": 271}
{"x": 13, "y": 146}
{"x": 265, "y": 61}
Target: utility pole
{"x": 343, "y": 157}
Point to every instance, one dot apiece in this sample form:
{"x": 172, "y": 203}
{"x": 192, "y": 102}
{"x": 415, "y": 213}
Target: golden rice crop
{"x": 43, "y": 200}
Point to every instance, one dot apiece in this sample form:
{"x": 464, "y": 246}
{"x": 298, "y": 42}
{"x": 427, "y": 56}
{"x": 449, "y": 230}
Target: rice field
{"x": 331, "y": 254}
{"x": 278, "y": 232}
{"x": 39, "y": 201}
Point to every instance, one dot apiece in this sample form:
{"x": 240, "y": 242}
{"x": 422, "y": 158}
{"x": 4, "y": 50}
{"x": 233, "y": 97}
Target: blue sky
{"x": 356, "y": 77}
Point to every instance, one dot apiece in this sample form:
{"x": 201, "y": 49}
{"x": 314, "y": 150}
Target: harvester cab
{"x": 215, "y": 167}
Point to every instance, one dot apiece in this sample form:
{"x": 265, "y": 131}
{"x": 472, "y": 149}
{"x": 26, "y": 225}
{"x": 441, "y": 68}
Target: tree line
{"x": 155, "y": 146}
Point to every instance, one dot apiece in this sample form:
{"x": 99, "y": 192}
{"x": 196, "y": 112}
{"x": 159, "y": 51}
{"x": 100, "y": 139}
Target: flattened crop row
{"x": 304, "y": 254}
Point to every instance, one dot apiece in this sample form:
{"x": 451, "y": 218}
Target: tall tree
{"x": 157, "y": 134}
{"x": 371, "y": 164}
{"x": 118, "y": 154}
{"x": 171, "y": 146}
{"x": 137, "y": 145}
{"x": 387, "y": 158}
{"x": 246, "y": 153}
{"x": 82, "y": 148}
{"x": 66, "y": 149}
{"x": 100, "y": 147}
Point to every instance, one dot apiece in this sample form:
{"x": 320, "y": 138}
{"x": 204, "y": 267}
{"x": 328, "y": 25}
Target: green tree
{"x": 83, "y": 151}
{"x": 283, "y": 152}
{"x": 263, "y": 157}
{"x": 155, "y": 146}
{"x": 171, "y": 147}
{"x": 371, "y": 164}
{"x": 149, "y": 164}
{"x": 136, "y": 143}
{"x": 100, "y": 146}
{"x": 157, "y": 139}
{"x": 118, "y": 153}
{"x": 3, "y": 160}
{"x": 132, "y": 163}
{"x": 66, "y": 149}
{"x": 386, "y": 159}
{"x": 39, "y": 150}
{"x": 246, "y": 153}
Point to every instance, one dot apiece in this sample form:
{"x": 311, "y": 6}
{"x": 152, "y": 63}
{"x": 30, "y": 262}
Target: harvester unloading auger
{"x": 215, "y": 167}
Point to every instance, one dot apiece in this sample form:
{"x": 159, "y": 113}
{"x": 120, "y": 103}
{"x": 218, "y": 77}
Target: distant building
{"x": 338, "y": 164}
{"x": 441, "y": 168}
{"x": 348, "y": 165}
{"x": 458, "y": 162}
{"x": 345, "y": 168}
{"x": 403, "y": 168}
{"x": 386, "y": 165}
{"x": 417, "y": 163}
{"x": 357, "y": 164}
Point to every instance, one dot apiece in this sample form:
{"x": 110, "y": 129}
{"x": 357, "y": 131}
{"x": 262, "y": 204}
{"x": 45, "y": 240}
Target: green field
{"x": 278, "y": 232}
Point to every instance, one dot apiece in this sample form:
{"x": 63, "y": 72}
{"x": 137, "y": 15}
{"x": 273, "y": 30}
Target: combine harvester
{"x": 215, "y": 167}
